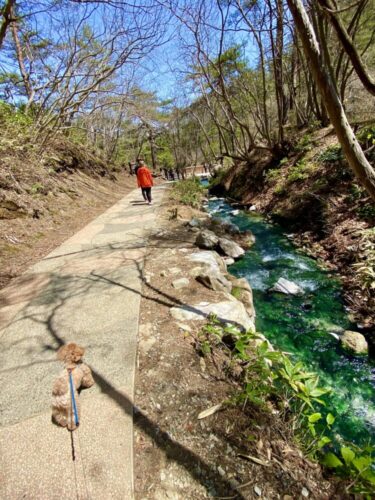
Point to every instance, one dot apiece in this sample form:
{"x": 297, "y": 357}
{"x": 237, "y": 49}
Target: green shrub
{"x": 300, "y": 171}
{"x": 304, "y": 144}
{"x": 366, "y": 137}
{"x": 188, "y": 192}
{"x": 366, "y": 211}
{"x": 280, "y": 190}
{"x": 271, "y": 375}
{"x": 331, "y": 154}
{"x": 272, "y": 175}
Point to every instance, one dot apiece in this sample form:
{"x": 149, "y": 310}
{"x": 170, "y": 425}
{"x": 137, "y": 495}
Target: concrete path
{"x": 87, "y": 291}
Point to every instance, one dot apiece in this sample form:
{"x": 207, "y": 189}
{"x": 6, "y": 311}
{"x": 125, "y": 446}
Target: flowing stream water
{"x": 305, "y": 325}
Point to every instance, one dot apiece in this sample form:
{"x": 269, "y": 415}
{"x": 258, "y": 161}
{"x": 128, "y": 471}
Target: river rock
{"x": 214, "y": 281}
{"x": 228, "y": 260}
{"x": 231, "y": 312}
{"x": 221, "y": 227}
{"x": 285, "y": 286}
{"x": 244, "y": 293}
{"x": 211, "y": 260}
{"x": 206, "y": 239}
{"x": 354, "y": 341}
{"x": 230, "y": 248}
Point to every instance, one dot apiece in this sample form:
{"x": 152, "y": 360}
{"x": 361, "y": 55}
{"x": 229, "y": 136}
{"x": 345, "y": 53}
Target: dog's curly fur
{"x": 62, "y": 412}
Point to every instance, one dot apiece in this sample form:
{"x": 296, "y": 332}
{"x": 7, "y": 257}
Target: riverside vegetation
{"x": 271, "y": 380}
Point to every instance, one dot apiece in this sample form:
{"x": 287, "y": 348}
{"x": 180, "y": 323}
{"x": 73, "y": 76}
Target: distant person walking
{"x": 145, "y": 181}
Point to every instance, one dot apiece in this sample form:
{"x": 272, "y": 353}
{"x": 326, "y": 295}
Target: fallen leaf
{"x": 254, "y": 459}
{"x": 210, "y": 411}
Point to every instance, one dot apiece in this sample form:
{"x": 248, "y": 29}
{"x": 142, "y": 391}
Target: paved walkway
{"x": 87, "y": 291}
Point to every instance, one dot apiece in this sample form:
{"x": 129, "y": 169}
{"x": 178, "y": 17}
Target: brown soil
{"x": 178, "y": 456}
{"x": 44, "y": 220}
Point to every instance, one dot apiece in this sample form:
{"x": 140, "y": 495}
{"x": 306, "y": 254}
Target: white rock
{"x": 185, "y": 313}
{"x": 206, "y": 239}
{"x": 258, "y": 491}
{"x": 228, "y": 260}
{"x": 305, "y": 492}
{"x": 214, "y": 280}
{"x": 231, "y": 312}
{"x": 252, "y": 208}
{"x": 230, "y": 248}
{"x": 221, "y": 471}
{"x": 210, "y": 259}
{"x": 180, "y": 283}
{"x": 285, "y": 286}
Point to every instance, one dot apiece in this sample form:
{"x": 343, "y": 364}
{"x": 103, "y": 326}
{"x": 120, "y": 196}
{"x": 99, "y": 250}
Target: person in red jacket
{"x": 145, "y": 181}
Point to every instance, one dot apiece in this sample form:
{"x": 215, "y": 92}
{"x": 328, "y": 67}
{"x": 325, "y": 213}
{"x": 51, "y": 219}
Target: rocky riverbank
{"x": 206, "y": 444}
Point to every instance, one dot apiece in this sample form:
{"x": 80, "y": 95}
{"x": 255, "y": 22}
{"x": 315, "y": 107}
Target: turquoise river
{"x": 305, "y": 325}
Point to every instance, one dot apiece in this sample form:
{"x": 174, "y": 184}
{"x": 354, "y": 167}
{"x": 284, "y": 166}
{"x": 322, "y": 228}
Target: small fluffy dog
{"x": 62, "y": 409}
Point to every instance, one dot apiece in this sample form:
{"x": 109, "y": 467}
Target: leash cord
{"x": 76, "y": 420}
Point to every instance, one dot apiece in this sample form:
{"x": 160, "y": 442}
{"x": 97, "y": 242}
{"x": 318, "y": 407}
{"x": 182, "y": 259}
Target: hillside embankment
{"x": 314, "y": 195}
{"x": 47, "y": 195}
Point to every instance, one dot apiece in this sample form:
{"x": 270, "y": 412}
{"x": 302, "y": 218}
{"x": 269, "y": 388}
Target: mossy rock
{"x": 354, "y": 342}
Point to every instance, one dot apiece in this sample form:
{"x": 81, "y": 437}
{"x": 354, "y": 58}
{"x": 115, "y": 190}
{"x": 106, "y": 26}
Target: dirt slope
{"x": 47, "y": 196}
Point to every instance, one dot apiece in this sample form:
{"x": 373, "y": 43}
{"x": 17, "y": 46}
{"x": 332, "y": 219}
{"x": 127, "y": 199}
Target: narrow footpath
{"x": 87, "y": 291}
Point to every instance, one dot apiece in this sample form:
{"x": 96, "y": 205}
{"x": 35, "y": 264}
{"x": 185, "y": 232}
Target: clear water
{"x": 303, "y": 325}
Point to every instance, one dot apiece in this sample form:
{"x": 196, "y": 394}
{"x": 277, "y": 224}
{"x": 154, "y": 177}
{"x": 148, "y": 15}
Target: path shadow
{"x": 201, "y": 471}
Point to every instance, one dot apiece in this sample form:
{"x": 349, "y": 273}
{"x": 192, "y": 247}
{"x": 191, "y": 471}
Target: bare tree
{"x": 352, "y": 150}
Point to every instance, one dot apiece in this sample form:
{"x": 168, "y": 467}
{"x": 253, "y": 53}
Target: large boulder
{"x": 231, "y": 312}
{"x": 354, "y": 341}
{"x": 214, "y": 281}
{"x": 222, "y": 227}
{"x": 230, "y": 248}
{"x": 206, "y": 239}
{"x": 209, "y": 260}
{"x": 287, "y": 287}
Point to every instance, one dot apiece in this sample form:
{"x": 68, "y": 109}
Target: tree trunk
{"x": 20, "y": 59}
{"x": 352, "y": 150}
{"x": 348, "y": 45}
{"x": 7, "y": 19}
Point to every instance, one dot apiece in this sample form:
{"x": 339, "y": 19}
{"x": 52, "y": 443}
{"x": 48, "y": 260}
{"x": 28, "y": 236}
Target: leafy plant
{"x": 366, "y": 211}
{"x": 273, "y": 175}
{"x": 271, "y": 375}
{"x": 304, "y": 144}
{"x": 188, "y": 192}
{"x": 331, "y": 154}
{"x": 300, "y": 171}
{"x": 355, "y": 463}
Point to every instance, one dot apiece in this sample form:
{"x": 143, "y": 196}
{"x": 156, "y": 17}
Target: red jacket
{"x": 144, "y": 177}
